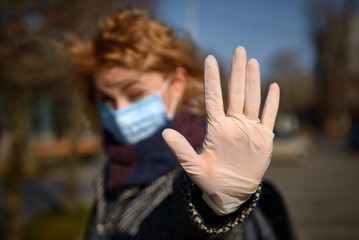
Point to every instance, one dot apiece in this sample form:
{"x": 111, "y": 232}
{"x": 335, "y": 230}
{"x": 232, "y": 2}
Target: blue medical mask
{"x": 136, "y": 121}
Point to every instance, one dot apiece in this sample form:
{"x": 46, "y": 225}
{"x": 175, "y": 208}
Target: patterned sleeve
{"x": 204, "y": 222}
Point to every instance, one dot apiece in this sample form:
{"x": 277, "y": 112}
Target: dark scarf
{"x": 142, "y": 163}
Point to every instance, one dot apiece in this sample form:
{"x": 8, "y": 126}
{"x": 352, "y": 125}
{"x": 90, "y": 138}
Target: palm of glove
{"x": 237, "y": 147}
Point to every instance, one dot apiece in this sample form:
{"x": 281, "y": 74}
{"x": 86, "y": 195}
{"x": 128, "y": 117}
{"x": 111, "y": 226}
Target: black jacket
{"x": 172, "y": 208}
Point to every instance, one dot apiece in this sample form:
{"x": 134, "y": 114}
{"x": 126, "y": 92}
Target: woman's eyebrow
{"x": 101, "y": 92}
{"x": 122, "y": 84}
{"x": 129, "y": 83}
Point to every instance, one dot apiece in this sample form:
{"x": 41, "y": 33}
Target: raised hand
{"x": 237, "y": 148}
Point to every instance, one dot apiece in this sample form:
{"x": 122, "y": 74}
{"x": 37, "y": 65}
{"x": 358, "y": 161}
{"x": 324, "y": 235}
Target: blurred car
{"x": 290, "y": 147}
{"x": 354, "y": 135}
{"x": 294, "y": 149}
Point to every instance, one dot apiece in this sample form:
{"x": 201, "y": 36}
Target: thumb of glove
{"x": 186, "y": 155}
{"x": 196, "y": 167}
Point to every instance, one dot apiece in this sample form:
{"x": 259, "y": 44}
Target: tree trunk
{"x": 70, "y": 200}
{"x": 14, "y": 174}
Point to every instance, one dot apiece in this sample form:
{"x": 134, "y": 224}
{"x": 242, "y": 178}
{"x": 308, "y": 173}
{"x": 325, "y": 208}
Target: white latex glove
{"x": 237, "y": 148}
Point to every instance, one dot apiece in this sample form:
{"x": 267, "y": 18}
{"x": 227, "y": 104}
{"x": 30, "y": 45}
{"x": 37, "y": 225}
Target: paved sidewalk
{"x": 321, "y": 190}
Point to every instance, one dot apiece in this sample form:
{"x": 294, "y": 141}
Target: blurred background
{"x": 50, "y": 144}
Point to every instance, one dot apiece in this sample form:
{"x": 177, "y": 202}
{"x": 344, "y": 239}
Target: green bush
{"x": 58, "y": 224}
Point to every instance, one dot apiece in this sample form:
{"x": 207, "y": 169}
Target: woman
{"x": 149, "y": 93}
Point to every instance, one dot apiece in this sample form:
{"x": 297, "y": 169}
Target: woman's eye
{"x": 135, "y": 95}
{"x": 108, "y": 101}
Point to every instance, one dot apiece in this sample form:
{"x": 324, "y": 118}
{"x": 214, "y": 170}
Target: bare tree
{"x": 334, "y": 29}
{"x": 297, "y": 86}
{"x": 33, "y": 60}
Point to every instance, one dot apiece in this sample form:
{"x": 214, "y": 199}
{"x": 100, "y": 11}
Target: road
{"x": 321, "y": 190}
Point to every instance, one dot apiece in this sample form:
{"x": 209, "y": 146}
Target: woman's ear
{"x": 175, "y": 90}
{"x": 178, "y": 83}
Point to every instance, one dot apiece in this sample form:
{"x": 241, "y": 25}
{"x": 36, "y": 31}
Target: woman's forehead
{"x": 116, "y": 75}
{"x": 119, "y": 76}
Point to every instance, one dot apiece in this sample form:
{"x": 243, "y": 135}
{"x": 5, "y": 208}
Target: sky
{"x": 263, "y": 27}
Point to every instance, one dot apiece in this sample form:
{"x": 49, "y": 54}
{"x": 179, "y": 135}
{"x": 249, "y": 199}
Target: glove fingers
{"x": 184, "y": 152}
{"x": 270, "y": 108}
{"x": 236, "y": 83}
{"x": 253, "y": 88}
{"x": 212, "y": 88}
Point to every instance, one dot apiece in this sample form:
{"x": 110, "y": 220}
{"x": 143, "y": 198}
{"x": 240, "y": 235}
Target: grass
{"x": 58, "y": 224}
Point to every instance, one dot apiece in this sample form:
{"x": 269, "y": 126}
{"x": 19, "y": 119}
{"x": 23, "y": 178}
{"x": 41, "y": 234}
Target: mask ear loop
{"x": 173, "y": 108}
{"x": 166, "y": 84}
{"x": 174, "y": 102}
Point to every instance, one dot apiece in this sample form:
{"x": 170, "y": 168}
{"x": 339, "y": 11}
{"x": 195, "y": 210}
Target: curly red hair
{"x": 133, "y": 40}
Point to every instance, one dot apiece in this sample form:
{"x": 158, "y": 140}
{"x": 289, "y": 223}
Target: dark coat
{"x": 172, "y": 208}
